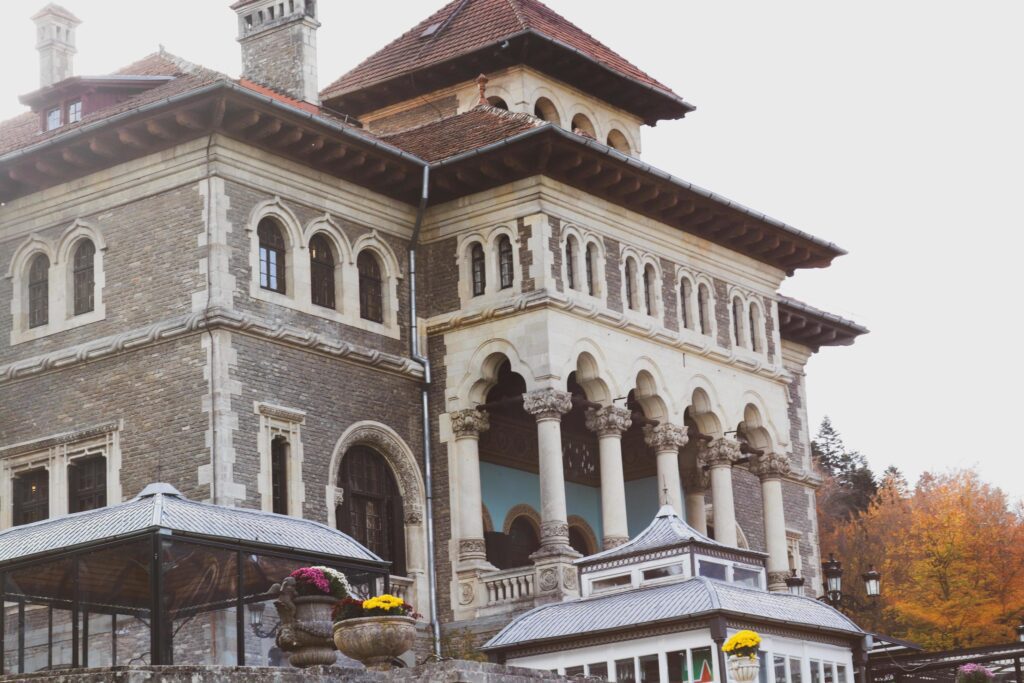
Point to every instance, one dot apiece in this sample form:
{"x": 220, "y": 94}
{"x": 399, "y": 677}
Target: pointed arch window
{"x": 371, "y": 511}
{"x": 685, "y": 292}
{"x": 321, "y": 266}
{"x": 592, "y": 269}
{"x": 478, "y": 267}
{"x": 704, "y": 309}
{"x": 39, "y": 291}
{"x": 371, "y": 291}
{"x": 84, "y": 277}
{"x": 505, "y": 262}
{"x": 272, "y": 256}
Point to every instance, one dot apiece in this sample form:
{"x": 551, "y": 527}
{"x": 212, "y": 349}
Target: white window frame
{"x": 278, "y": 421}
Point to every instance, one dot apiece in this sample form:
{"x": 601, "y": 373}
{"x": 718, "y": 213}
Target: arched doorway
{"x": 371, "y": 509}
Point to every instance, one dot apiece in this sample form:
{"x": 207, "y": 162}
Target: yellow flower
{"x": 742, "y": 641}
{"x": 383, "y": 602}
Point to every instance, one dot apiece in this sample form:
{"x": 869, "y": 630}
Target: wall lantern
{"x": 833, "y": 570}
{"x": 872, "y": 582}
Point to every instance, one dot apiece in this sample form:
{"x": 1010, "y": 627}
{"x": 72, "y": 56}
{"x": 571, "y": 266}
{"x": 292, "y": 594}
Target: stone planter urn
{"x": 743, "y": 669}
{"x": 305, "y": 630}
{"x": 375, "y": 641}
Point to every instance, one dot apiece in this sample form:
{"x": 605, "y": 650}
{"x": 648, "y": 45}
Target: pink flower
{"x": 313, "y": 577}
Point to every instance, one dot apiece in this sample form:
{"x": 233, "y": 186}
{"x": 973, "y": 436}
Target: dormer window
{"x": 53, "y": 119}
{"x": 75, "y": 111}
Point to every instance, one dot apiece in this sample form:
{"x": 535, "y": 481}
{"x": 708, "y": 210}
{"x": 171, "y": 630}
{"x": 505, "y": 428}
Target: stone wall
{"x": 414, "y": 117}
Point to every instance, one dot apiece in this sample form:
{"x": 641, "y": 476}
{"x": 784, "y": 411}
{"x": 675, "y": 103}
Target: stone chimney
{"x": 278, "y": 40}
{"x": 55, "y": 40}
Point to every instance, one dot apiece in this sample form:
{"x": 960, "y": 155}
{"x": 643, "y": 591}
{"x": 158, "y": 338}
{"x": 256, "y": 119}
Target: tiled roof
{"x": 635, "y": 609}
{"x": 161, "y": 506}
{"x": 463, "y": 26}
{"x": 476, "y": 128}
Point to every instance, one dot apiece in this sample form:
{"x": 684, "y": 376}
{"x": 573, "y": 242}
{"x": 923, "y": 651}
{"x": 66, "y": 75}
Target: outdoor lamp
{"x": 833, "y": 579}
{"x": 872, "y": 582}
{"x": 256, "y": 615}
{"x": 795, "y": 584}
{"x": 1020, "y": 633}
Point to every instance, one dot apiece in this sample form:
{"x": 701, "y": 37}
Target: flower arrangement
{"x": 743, "y": 644}
{"x": 380, "y": 606}
{"x": 320, "y": 581}
{"x": 974, "y": 673}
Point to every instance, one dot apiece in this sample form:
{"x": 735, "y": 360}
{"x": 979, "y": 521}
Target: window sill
{"x": 21, "y": 336}
{"x": 341, "y": 317}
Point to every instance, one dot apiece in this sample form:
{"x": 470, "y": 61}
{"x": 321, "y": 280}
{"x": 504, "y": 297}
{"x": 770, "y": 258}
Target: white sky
{"x": 890, "y": 128}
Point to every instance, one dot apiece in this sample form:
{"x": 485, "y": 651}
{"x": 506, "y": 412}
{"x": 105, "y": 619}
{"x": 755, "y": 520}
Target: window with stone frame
{"x": 571, "y": 246}
{"x": 280, "y": 482}
{"x": 321, "y": 271}
{"x": 650, "y": 285}
{"x": 704, "y": 309}
{"x": 31, "y": 500}
{"x": 371, "y": 289}
{"x": 591, "y": 256}
{"x": 478, "y": 269}
{"x": 630, "y": 277}
{"x": 39, "y": 291}
{"x": 793, "y": 551}
{"x": 685, "y": 305}
{"x": 84, "y": 277}
{"x": 273, "y": 254}
{"x": 371, "y": 509}
{"x": 506, "y": 264}
{"x": 87, "y": 483}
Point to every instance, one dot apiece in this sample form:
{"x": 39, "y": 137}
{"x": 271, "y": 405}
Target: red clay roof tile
{"x": 449, "y": 137}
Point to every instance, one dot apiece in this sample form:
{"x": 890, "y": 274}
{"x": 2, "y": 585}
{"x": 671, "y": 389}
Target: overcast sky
{"x": 891, "y": 128}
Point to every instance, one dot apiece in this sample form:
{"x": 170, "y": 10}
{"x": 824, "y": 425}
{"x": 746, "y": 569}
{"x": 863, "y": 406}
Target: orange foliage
{"x": 951, "y": 553}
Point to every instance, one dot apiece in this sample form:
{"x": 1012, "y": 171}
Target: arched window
{"x": 570, "y": 261}
{"x": 497, "y": 102}
{"x": 581, "y": 125}
{"x": 592, "y": 269}
{"x": 523, "y": 541}
{"x": 84, "y": 277}
{"x": 685, "y": 292}
{"x": 279, "y": 448}
{"x": 39, "y": 291}
{"x": 755, "y": 328}
{"x": 704, "y": 308}
{"x": 371, "y": 511}
{"x": 649, "y": 289}
{"x": 321, "y": 266}
{"x": 737, "y": 321}
{"x": 272, "y": 256}
{"x": 371, "y": 291}
{"x": 631, "y": 284}
{"x": 618, "y": 141}
{"x": 545, "y": 109}
{"x": 505, "y": 264}
{"x": 478, "y": 267}
{"x": 579, "y": 542}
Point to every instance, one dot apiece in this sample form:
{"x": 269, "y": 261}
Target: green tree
{"x": 849, "y": 482}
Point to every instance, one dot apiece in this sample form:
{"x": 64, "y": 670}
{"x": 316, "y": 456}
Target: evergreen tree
{"x": 850, "y": 484}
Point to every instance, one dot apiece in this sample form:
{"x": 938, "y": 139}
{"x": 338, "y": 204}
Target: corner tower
{"x": 55, "y": 41}
{"x": 278, "y": 39}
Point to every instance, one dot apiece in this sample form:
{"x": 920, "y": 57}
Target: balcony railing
{"x": 511, "y": 585}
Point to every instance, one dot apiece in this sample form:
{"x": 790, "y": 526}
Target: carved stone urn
{"x": 744, "y": 669}
{"x": 375, "y": 641}
{"x": 305, "y": 629}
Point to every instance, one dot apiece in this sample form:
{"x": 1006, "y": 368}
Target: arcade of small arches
{"x": 568, "y": 471}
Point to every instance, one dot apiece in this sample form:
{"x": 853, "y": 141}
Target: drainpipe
{"x": 419, "y": 357}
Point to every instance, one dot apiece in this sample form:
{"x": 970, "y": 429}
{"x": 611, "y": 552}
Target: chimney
{"x": 278, "y": 40}
{"x": 55, "y": 41}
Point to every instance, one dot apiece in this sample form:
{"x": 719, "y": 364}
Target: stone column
{"x": 666, "y": 440}
{"x": 467, "y": 426}
{"x": 609, "y": 423}
{"x": 771, "y": 468}
{"x": 548, "y": 406}
{"x": 695, "y": 483}
{"x": 720, "y": 455}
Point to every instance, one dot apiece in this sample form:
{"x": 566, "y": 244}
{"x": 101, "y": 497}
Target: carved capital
{"x": 777, "y": 580}
{"x": 547, "y": 404}
{"x": 771, "y": 466}
{"x": 413, "y": 514}
{"x": 470, "y": 548}
{"x": 720, "y": 452}
{"x": 695, "y": 481}
{"x": 554, "y": 530}
{"x": 609, "y": 542}
{"x": 469, "y": 423}
{"x": 609, "y": 420}
{"x": 666, "y": 437}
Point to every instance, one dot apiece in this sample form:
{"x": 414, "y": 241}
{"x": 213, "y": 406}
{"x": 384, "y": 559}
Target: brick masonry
{"x": 415, "y": 117}
{"x": 525, "y": 255}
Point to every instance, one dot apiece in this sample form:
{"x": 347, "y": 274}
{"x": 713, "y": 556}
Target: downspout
{"x": 419, "y": 357}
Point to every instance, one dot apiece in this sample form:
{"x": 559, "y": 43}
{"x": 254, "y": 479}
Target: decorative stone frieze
{"x": 771, "y": 466}
{"x": 469, "y": 424}
{"x": 554, "y": 530}
{"x": 665, "y": 437}
{"x": 609, "y": 420}
{"x": 472, "y": 548}
{"x": 720, "y": 453}
{"x": 609, "y": 542}
{"x": 547, "y": 404}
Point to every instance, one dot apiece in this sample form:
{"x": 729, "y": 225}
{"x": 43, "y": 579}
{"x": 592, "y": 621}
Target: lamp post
{"x": 1020, "y": 633}
{"x": 833, "y": 570}
{"x": 872, "y": 582}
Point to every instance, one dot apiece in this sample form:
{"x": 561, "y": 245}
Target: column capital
{"x": 666, "y": 437}
{"x": 721, "y": 452}
{"x": 696, "y": 480}
{"x": 469, "y": 423}
{"x": 771, "y": 466}
{"x": 609, "y": 420}
{"x": 547, "y": 404}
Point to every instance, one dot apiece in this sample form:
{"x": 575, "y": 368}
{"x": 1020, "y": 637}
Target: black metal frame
{"x": 929, "y": 665}
{"x": 161, "y": 651}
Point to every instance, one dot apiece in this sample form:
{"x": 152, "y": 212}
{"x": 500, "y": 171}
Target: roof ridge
{"x": 517, "y": 10}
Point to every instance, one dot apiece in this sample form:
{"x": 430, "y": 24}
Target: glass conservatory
{"x": 159, "y": 579}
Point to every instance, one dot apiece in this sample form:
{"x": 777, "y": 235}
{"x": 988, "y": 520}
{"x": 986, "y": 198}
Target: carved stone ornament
{"x": 609, "y": 420}
{"x": 569, "y": 578}
{"x": 610, "y": 542}
{"x": 305, "y": 626}
{"x": 413, "y": 514}
{"x": 778, "y": 578}
{"x": 547, "y": 404}
{"x": 554, "y": 530}
{"x": 771, "y": 466}
{"x": 469, "y": 423}
{"x": 548, "y": 579}
{"x": 666, "y": 437}
{"x": 720, "y": 452}
{"x": 695, "y": 481}
{"x": 472, "y": 547}
{"x": 404, "y": 467}
{"x": 466, "y": 593}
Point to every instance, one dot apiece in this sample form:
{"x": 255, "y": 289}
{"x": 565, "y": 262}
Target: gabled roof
{"x": 467, "y": 37}
{"x": 668, "y": 530}
{"x": 632, "y": 611}
{"x": 476, "y": 128}
{"x": 160, "y": 506}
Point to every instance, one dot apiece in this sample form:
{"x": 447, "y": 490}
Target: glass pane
{"x": 796, "y": 674}
{"x": 574, "y": 670}
{"x": 97, "y": 640}
{"x": 746, "y": 577}
{"x": 200, "y": 590}
{"x": 599, "y": 670}
{"x": 663, "y": 572}
{"x": 815, "y": 672}
{"x": 650, "y": 671}
{"x": 625, "y": 670}
{"x": 829, "y": 672}
{"x": 677, "y": 669}
{"x": 841, "y": 674}
{"x": 703, "y": 665}
{"x": 10, "y": 638}
{"x": 712, "y": 570}
{"x": 762, "y": 672}
{"x": 780, "y": 669}
{"x": 605, "y": 584}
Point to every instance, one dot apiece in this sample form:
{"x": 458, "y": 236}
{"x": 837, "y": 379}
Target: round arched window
{"x": 371, "y": 511}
